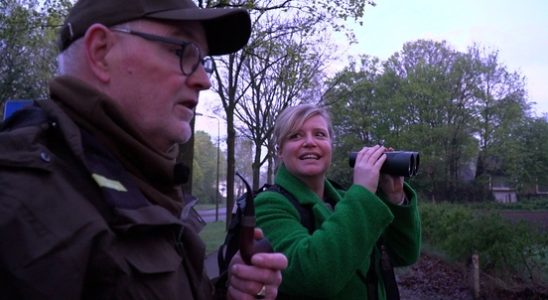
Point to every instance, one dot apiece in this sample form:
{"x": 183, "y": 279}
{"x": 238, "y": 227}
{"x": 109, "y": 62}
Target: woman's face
{"x": 307, "y": 152}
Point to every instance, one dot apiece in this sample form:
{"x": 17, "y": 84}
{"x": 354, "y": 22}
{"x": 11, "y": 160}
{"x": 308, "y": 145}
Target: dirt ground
{"x": 431, "y": 278}
{"x": 434, "y": 279}
{"x": 535, "y": 217}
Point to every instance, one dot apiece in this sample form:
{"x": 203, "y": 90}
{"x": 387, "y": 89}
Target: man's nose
{"x": 199, "y": 79}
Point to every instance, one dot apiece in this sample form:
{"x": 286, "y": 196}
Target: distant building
{"x": 502, "y": 191}
{"x": 504, "y": 194}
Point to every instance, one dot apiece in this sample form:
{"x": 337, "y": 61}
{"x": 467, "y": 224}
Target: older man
{"x": 90, "y": 198}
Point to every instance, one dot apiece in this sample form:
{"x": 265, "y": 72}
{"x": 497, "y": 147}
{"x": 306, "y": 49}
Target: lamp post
{"x": 218, "y": 161}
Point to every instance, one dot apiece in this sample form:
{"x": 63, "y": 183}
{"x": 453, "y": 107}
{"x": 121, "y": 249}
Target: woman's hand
{"x": 260, "y": 280}
{"x": 368, "y": 165}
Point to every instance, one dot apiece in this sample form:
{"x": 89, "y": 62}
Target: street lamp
{"x": 218, "y": 161}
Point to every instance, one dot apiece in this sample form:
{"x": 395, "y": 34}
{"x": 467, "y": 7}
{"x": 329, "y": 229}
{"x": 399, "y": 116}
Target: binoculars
{"x": 397, "y": 163}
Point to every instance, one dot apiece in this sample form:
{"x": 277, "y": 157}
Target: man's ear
{"x": 99, "y": 41}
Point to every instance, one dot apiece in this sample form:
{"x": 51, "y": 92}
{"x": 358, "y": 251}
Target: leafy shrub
{"x": 532, "y": 204}
{"x": 505, "y": 249}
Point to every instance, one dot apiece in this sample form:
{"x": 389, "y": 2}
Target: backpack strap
{"x": 387, "y": 273}
{"x": 305, "y": 211}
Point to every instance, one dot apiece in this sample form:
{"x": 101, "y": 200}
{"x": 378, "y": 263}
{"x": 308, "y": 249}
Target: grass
{"x": 213, "y": 235}
{"x": 205, "y": 206}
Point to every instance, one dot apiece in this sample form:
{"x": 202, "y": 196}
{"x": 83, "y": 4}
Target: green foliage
{"x": 532, "y": 204}
{"x": 204, "y": 169}
{"x": 510, "y": 251}
{"x": 213, "y": 235}
{"x": 28, "y": 46}
{"x": 532, "y": 137}
{"x": 463, "y": 111}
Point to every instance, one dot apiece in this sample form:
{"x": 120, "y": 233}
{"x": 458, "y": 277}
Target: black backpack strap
{"x": 227, "y": 250}
{"x": 387, "y": 273}
{"x": 372, "y": 279}
{"x": 305, "y": 211}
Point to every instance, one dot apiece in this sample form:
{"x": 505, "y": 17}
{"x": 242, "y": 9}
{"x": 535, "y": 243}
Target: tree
{"x": 455, "y": 108}
{"x": 353, "y": 92}
{"x": 204, "y": 168}
{"x": 278, "y": 72}
{"x": 28, "y": 47}
{"x": 313, "y": 16}
{"x": 502, "y": 111}
{"x": 534, "y": 158}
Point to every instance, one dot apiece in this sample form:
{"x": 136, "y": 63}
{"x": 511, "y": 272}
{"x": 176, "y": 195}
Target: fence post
{"x": 475, "y": 276}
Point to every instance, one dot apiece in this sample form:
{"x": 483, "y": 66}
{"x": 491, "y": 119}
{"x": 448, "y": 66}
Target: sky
{"x": 518, "y": 30}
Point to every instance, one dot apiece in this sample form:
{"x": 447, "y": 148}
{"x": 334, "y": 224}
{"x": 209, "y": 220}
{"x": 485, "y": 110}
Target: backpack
{"x": 231, "y": 244}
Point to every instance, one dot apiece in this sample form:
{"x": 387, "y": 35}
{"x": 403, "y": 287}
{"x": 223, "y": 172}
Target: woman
{"x": 333, "y": 261}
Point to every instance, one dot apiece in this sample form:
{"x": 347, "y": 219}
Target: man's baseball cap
{"x": 227, "y": 29}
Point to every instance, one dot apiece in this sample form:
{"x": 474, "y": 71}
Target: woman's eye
{"x": 294, "y": 136}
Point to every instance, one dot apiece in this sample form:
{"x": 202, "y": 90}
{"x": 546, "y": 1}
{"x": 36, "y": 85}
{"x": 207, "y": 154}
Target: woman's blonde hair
{"x": 293, "y": 117}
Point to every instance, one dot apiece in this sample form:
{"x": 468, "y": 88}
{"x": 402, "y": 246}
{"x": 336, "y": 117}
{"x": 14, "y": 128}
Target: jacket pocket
{"x": 155, "y": 270}
{"x": 152, "y": 254}
{"x": 149, "y": 262}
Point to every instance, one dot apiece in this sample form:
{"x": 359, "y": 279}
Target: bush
{"x": 532, "y": 204}
{"x": 506, "y": 250}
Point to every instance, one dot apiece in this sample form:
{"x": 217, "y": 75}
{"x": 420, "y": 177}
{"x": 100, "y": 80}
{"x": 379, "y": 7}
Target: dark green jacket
{"x": 332, "y": 263}
{"x": 75, "y": 225}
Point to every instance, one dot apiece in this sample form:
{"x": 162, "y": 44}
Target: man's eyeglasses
{"x": 190, "y": 56}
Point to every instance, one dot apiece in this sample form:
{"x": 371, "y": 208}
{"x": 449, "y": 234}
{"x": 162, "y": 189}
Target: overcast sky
{"x": 517, "y": 29}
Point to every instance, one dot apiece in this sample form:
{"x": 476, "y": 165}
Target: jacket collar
{"x": 96, "y": 113}
{"x": 299, "y": 189}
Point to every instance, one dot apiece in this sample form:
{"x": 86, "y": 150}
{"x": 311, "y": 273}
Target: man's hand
{"x": 247, "y": 281}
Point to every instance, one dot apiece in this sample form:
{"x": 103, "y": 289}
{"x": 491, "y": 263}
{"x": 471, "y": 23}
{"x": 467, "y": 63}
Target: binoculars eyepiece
{"x": 397, "y": 163}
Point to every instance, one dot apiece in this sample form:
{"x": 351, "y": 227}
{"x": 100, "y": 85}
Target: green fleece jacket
{"x": 332, "y": 263}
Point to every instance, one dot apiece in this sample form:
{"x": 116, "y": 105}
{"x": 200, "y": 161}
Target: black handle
{"x": 248, "y": 245}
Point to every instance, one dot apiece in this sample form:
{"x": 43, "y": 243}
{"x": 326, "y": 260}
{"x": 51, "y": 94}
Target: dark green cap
{"x": 227, "y": 29}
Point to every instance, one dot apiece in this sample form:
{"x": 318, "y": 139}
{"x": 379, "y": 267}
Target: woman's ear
{"x": 278, "y": 151}
{"x": 98, "y": 42}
